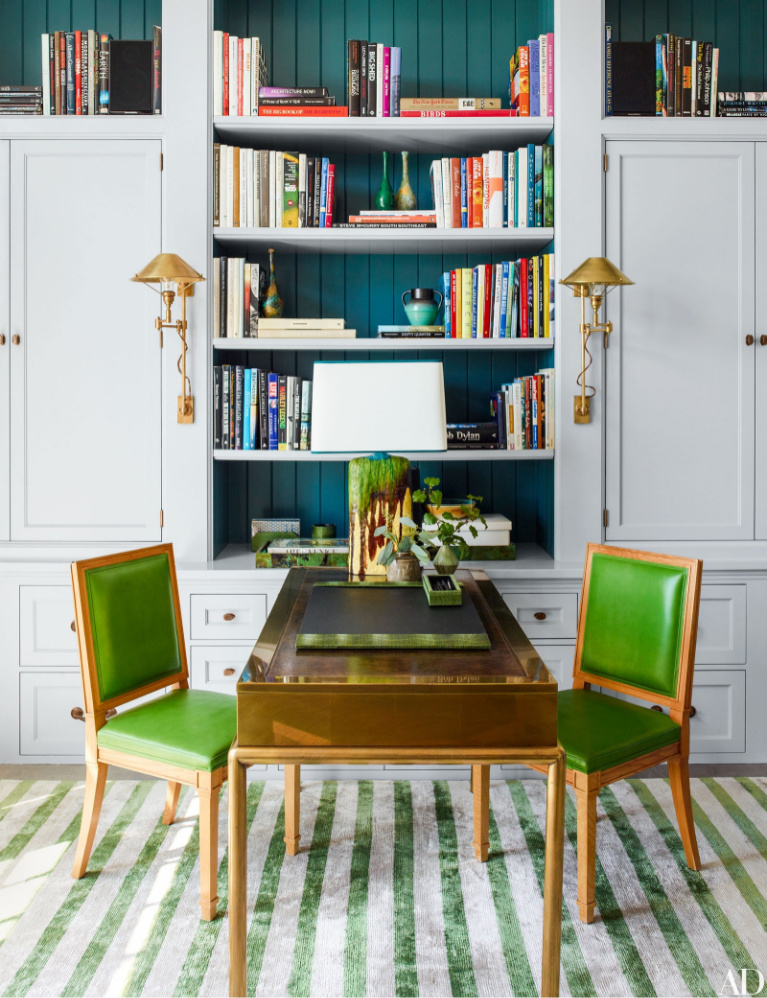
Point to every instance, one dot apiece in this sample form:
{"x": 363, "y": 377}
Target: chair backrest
{"x": 638, "y": 624}
{"x": 128, "y": 626}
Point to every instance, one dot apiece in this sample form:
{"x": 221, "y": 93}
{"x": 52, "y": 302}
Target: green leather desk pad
{"x": 359, "y": 616}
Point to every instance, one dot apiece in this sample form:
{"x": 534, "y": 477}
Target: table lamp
{"x": 378, "y": 406}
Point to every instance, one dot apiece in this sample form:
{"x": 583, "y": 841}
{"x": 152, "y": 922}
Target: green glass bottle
{"x": 272, "y": 305}
{"x": 385, "y": 195}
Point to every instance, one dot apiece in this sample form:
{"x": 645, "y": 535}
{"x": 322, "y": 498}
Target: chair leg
{"x": 208, "y": 790}
{"x": 95, "y": 779}
{"x": 586, "y": 805}
{"x": 679, "y": 778}
{"x": 171, "y": 803}
{"x": 292, "y": 809}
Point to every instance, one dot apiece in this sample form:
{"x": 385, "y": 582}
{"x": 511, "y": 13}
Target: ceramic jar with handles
{"x": 422, "y": 309}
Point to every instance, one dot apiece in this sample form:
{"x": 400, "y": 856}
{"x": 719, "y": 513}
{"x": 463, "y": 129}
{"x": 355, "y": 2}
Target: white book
{"x": 436, "y": 182}
{"x": 305, "y": 334}
{"x": 496, "y": 331}
{"x": 216, "y": 295}
{"x": 240, "y": 301}
{"x": 246, "y": 76}
{"x": 548, "y": 373}
{"x": 283, "y": 323}
{"x": 218, "y": 72}
{"x": 230, "y": 187}
{"x": 485, "y": 190}
{"x": 256, "y": 63}
{"x": 272, "y": 184}
{"x": 517, "y": 396}
{"x": 243, "y": 187}
{"x": 379, "y": 79}
{"x": 231, "y": 269}
{"x": 256, "y": 188}
{"x": 301, "y": 189}
{"x": 495, "y": 189}
{"x": 694, "y": 74}
{"x": 510, "y": 192}
{"x": 521, "y": 188}
{"x": 714, "y": 80}
{"x": 223, "y": 166}
{"x": 233, "y": 76}
{"x": 245, "y": 313}
{"x": 248, "y": 221}
{"x": 447, "y": 192}
{"x": 279, "y": 188}
{"x": 46, "y": 53}
{"x": 508, "y": 416}
{"x": 93, "y": 71}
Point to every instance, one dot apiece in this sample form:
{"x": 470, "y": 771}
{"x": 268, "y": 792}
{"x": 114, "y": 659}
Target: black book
{"x": 30, "y": 88}
{"x": 70, "y": 71}
{"x": 217, "y": 410}
{"x": 226, "y": 409}
{"x": 472, "y": 434}
{"x": 678, "y": 75}
{"x": 372, "y": 78}
{"x": 239, "y": 375}
{"x": 263, "y": 410}
{"x": 131, "y": 76}
{"x": 353, "y": 78}
{"x": 634, "y": 79}
{"x": 686, "y": 77}
{"x": 364, "y": 84}
{"x": 297, "y": 388}
{"x": 297, "y": 101}
{"x": 309, "y": 214}
{"x": 232, "y": 405}
{"x": 223, "y": 263}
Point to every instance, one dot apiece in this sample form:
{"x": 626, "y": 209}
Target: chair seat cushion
{"x": 598, "y": 732}
{"x": 187, "y": 728}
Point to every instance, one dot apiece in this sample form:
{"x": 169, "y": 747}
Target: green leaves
{"x": 431, "y": 482}
{"x": 407, "y": 522}
{"x": 387, "y": 554}
{"x": 429, "y": 518}
{"x": 380, "y": 531}
{"x": 419, "y": 552}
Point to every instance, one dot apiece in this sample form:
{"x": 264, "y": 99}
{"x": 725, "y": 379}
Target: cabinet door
{"x": 86, "y": 375}
{"x": 761, "y": 348}
{"x": 679, "y": 408}
{"x": 5, "y": 348}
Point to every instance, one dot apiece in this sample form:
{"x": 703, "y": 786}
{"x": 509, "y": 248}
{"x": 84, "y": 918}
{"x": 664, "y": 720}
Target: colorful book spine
{"x": 548, "y": 186}
{"x": 78, "y": 55}
{"x": 464, "y": 194}
{"x": 157, "y": 69}
{"x": 386, "y": 81}
{"x": 533, "y": 47}
{"x": 273, "y": 426}
{"x": 246, "y": 392}
{"x": 395, "y": 81}
{"x": 306, "y": 416}
{"x": 324, "y": 192}
{"x": 538, "y": 211}
{"x": 330, "y": 198}
{"x": 608, "y": 69}
{"x": 550, "y": 74}
{"x": 70, "y": 71}
{"x": 104, "y": 74}
{"x": 530, "y": 186}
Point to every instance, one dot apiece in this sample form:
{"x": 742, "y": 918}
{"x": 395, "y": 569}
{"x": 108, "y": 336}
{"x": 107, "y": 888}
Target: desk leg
{"x": 480, "y": 782}
{"x": 238, "y": 876}
{"x": 292, "y": 809}
{"x": 552, "y": 889}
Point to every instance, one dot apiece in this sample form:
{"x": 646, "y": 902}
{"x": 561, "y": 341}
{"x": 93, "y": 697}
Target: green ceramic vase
{"x": 385, "y": 195}
{"x": 272, "y": 306}
{"x": 405, "y": 198}
{"x": 445, "y": 560}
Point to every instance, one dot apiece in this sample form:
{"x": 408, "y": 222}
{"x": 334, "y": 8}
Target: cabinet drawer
{"x": 218, "y": 668}
{"x": 719, "y": 699}
{"x": 722, "y": 626}
{"x": 558, "y": 659}
{"x": 545, "y": 615}
{"x": 239, "y": 618}
{"x": 45, "y": 724}
{"x": 46, "y": 635}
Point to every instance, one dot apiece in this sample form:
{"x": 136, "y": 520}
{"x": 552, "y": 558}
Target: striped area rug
{"x": 388, "y": 900}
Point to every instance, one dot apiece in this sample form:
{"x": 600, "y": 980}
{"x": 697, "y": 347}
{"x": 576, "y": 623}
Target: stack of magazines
{"x": 21, "y": 100}
{"x": 742, "y": 104}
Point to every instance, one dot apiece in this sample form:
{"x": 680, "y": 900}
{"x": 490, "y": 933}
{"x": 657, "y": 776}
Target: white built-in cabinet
{"x": 686, "y": 457}
{"x": 81, "y": 432}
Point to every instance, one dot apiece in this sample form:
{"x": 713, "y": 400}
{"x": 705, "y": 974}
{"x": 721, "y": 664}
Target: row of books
{"x": 524, "y": 412}
{"x": 513, "y": 299}
{"x": 255, "y": 409}
{"x": 531, "y": 78}
{"x": 239, "y": 71}
{"x": 21, "y": 100}
{"x": 495, "y": 190}
{"x": 254, "y": 188}
{"x": 237, "y": 289}
{"x": 742, "y": 104}
{"x": 373, "y": 79}
{"x": 76, "y": 72}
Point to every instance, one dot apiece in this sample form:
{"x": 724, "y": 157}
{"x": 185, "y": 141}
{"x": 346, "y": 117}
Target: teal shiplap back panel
{"x": 738, "y": 29}
{"x": 23, "y": 21}
{"x": 449, "y": 48}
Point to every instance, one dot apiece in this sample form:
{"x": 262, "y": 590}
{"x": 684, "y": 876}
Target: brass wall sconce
{"x": 593, "y": 279}
{"x": 174, "y": 277}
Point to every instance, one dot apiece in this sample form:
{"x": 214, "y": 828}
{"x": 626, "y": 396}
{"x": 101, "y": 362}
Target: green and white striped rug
{"x": 388, "y": 900}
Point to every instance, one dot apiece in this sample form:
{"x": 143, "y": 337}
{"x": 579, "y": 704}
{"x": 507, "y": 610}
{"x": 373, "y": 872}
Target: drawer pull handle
{"x": 15, "y": 339}
{"x": 2, "y": 339}
{"x": 540, "y": 615}
{"x": 693, "y": 712}
{"x": 228, "y": 616}
{"x": 749, "y": 340}
{"x": 72, "y": 626}
{"x": 228, "y": 672}
{"x": 657, "y": 707}
{"x": 763, "y": 340}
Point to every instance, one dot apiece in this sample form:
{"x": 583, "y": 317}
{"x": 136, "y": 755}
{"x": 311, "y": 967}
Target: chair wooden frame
{"x": 588, "y": 785}
{"x": 97, "y": 760}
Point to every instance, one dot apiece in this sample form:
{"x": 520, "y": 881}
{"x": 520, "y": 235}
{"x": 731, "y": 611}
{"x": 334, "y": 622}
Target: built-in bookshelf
{"x": 451, "y": 48}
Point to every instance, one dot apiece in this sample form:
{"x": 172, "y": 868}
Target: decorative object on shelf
{"x": 272, "y": 306}
{"x": 385, "y": 195}
{"x": 593, "y": 279}
{"x": 295, "y": 552}
{"x": 346, "y": 419}
{"x": 405, "y": 198}
{"x": 441, "y": 590}
{"x": 323, "y": 531}
{"x": 174, "y": 277}
{"x": 262, "y": 531}
{"x": 400, "y": 554}
{"x": 422, "y": 309}
{"x": 447, "y": 526}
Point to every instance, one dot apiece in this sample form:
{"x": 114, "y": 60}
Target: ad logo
{"x": 750, "y": 982}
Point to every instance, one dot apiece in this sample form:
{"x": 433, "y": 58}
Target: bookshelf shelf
{"x": 70, "y": 126}
{"x": 387, "y": 240}
{"x": 722, "y": 129}
{"x": 439, "y": 136}
{"x": 370, "y": 343}
{"x": 446, "y": 455}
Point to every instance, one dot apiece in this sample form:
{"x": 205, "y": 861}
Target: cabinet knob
{"x": 228, "y": 672}
{"x": 763, "y": 340}
{"x": 693, "y": 712}
{"x": 749, "y": 340}
{"x": 72, "y": 626}
{"x": 15, "y": 339}
{"x": 77, "y": 713}
{"x": 657, "y": 707}
{"x": 2, "y": 339}
{"x": 228, "y": 616}
{"x": 540, "y": 615}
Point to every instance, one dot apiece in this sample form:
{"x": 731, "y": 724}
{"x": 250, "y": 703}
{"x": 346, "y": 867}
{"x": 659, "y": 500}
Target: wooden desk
{"x": 423, "y": 707}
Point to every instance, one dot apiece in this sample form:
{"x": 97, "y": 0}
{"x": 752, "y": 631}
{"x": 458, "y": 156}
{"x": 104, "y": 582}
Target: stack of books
{"x": 21, "y": 100}
{"x": 254, "y": 188}
{"x": 373, "y": 78}
{"x": 239, "y": 71}
{"x": 531, "y": 78}
{"x": 238, "y": 287}
{"x": 453, "y": 107}
{"x": 495, "y": 190}
{"x": 497, "y": 533}
{"x": 307, "y": 329}
{"x": 298, "y": 102}
{"x": 743, "y": 104}
{"x": 501, "y": 300}
{"x": 255, "y": 409}
{"x": 411, "y": 332}
{"x": 391, "y": 219}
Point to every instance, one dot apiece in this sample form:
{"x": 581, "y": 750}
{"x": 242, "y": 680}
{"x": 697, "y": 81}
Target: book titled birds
{"x": 258, "y": 188}
{"x": 495, "y": 190}
{"x": 256, "y": 409}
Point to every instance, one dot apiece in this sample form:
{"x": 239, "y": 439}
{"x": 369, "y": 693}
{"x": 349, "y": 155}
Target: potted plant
{"x": 401, "y": 555}
{"x": 447, "y": 526}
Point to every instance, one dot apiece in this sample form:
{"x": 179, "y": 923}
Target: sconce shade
{"x": 596, "y": 270}
{"x": 167, "y": 268}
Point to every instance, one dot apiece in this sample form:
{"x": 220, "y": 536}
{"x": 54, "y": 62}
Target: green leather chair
{"x": 636, "y": 635}
{"x": 131, "y": 644}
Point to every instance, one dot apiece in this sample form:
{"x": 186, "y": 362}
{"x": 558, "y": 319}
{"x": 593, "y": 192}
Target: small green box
{"x": 442, "y": 590}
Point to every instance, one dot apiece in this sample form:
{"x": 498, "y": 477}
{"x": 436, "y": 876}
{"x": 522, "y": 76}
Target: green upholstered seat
{"x": 598, "y": 732}
{"x": 192, "y": 729}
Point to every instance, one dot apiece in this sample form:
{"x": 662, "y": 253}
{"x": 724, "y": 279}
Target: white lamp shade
{"x": 392, "y": 406}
